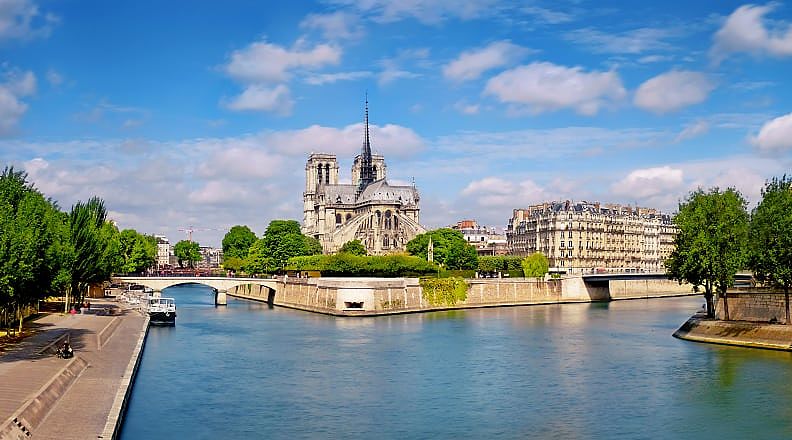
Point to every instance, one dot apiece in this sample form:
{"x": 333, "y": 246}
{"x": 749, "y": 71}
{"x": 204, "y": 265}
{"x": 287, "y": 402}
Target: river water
{"x": 573, "y": 371}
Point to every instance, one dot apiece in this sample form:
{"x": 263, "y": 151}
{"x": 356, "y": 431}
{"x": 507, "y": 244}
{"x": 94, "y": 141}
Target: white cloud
{"x": 648, "y": 182}
{"x": 261, "y": 98}
{"x": 496, "y": 192}
{"x": 745, "y": 31}
{"x": 18, "y": 85}
{"x": 392, "y": 68}
{"x": 673, "y": 90}
{"x": 547, "y": 15}
{"x": 390, "y": 140}
{"x": 54, "y": 78}
{"x": 465, "y": 108}
{"x": 472, "y": 63}
{"x": 21, "y": 19}
{"x": 21, "y": 83}
{"x": 425, "y": 11}
{"x": 695, "y": 129}
{"x": 329, "y": 78}
{"x": 241, "y": 163}
{"x": 263, "y": 62}
{"x": 545, "y": 86}
{"x": 334, "y": 26}
{"x": 775, "y": 135}
{"x": 635, "y": 41}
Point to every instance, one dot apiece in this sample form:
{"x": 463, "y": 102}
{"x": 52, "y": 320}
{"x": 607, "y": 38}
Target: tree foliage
{"x": 347, "y": 264}
{"x": 450, "y": 249}
{"x": 138, "y": 251}
{"x": 95, "y": 246}
{"x": 501, "y": 263}
{"x": 771, "y": 236}
{"x": 188, "y": 252}
{"x": 354, "y": 247}
{"x": 237, "y": 242}
{"x": 711, "y": 245}
{"x": 282, "y": 240}
{"x": 535, "y": 265}
{"x": 29, "y": 258}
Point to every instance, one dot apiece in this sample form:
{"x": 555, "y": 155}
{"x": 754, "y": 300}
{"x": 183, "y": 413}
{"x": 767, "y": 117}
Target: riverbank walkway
{"x": 45, "y": 397}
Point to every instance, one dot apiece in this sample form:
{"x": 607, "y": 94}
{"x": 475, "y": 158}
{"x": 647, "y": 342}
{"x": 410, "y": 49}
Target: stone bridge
{"x": 219, "y": 284}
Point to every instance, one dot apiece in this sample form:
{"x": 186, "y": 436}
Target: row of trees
{"x": 45, "y": 251}
{"x": 718, "y": 237}
{"x": 282, "y": 240}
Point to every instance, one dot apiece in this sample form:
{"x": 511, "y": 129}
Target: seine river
{"x": 574, "y": 371}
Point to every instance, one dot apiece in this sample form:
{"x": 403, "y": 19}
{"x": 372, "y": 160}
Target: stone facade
{"x": 588, "y": 237}
{"x": 376, "y": 296}
{"x": 382, "y": 216}
{"x": 487, "y": 241}
{"x": 754, "y": 306}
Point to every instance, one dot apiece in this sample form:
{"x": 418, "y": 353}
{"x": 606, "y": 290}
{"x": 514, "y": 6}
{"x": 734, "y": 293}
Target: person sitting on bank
{"x": 66, "y": 352}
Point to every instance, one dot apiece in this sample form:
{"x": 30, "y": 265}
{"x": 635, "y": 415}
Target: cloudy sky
{"x": 202, "y": 113}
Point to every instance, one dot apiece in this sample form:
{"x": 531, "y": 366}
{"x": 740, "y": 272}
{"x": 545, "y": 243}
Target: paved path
{"x": 66, "y": 399}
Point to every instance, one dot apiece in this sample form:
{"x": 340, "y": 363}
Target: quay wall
{"x": 757, "y": 306}
{"x": 376, "y": 296}
{"x": 647, "y": 288}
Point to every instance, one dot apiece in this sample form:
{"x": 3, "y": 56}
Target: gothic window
{"x": 395, "y": 222}
{"x": 387, "y": 220}
{"x": 320, "y": 173}
{"x": 374, "y": 169}
{"x": 327, "y": 173}
{"x": 348, "y": 216}
{"x": 385, "y": 241}
{"x": 338, "y": 219}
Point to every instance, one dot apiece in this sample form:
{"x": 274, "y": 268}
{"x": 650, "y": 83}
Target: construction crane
{"x": 190, "y": 229}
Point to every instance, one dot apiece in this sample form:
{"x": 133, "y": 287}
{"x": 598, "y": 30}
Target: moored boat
{"x": 162, "y": 311}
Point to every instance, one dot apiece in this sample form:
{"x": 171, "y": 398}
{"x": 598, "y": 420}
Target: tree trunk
{"x": 21, "y": 317}
{"x": 726, "y": 306}
{"x": 710, "y": 305}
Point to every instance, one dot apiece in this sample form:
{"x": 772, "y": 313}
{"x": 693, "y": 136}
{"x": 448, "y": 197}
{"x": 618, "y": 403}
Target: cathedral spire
{"x": 366, "y": 165}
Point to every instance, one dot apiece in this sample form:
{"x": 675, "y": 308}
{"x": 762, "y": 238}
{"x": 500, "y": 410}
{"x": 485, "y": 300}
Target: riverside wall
{"x": 378, "y": 296}
{"x": 756, "y": 306}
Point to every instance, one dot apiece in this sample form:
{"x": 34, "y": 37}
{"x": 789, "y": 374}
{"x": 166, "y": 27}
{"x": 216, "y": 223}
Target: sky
{"x": 202, "y": 114}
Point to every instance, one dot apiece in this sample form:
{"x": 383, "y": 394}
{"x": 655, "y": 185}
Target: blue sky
{"x": 203, "y": 113}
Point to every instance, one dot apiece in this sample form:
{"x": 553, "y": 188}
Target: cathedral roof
{"x": 377, "y": 191}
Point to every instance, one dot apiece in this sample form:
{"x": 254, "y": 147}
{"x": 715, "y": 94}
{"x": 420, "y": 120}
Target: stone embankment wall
{"x": 757, "y": 306}
{"x": 372, "y": 296}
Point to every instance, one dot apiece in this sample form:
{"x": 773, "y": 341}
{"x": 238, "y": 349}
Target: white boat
{"x": 162, "y": 311}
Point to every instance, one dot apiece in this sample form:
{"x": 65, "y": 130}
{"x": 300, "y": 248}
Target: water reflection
{"x": 558, "y": 371}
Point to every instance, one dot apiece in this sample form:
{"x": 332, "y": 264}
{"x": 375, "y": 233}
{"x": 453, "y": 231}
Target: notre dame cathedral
{"x": 383, "y": 217}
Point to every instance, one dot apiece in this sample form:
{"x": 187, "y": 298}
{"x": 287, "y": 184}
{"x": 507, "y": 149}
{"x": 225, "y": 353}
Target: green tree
{"x": 535, "y": 265}
{"x": 138, "y": 251}
{"x": 282, "y": 240}
{"x": 711, "y": 245}
{"x": 187, "y": 251}
{"x": 28, "y": 252}
{"x": 257, "y": 260}
{"x": 450, "y": 249}
{"x": 354, "y": 247}
{"x": 771, "y": 237}
{"x": 95, "y": 247}
{"x": 237, "y": 242}
{"x": 234, "y": 264}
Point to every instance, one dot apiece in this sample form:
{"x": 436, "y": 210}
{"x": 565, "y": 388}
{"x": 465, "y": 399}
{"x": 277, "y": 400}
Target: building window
{"x": 327, "y": 173}
{"x": 338, "y": 219}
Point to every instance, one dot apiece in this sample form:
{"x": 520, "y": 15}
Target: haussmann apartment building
{"x": 583, "y": 237}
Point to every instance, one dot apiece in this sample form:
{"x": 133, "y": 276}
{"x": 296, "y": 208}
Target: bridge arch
{"x": 221, "y": 285}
